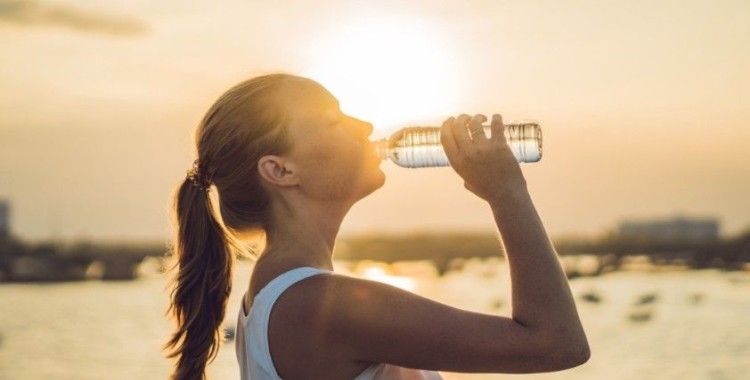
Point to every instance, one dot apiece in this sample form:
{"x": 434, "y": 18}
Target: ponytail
{"x": 202, "y": 285}
{"x": 245, "y": 123}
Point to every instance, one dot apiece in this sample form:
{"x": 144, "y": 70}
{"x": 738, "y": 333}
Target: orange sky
{"x": 645, "y": 108}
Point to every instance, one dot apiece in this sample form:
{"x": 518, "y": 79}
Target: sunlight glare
{"x": 381, "y": 272}
{"x": 391, "y": 71}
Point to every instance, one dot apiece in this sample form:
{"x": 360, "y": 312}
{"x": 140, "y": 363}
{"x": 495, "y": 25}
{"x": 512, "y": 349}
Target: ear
{"x": 278, "y": 171}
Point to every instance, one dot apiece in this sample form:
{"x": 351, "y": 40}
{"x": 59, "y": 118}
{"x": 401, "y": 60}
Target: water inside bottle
{"x": 417, "y": 147}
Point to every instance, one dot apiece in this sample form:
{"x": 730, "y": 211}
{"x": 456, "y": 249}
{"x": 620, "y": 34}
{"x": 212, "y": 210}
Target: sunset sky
{"x": 644, "y": 106}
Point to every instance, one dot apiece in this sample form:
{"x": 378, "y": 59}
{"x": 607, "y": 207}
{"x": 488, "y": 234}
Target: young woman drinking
{"x": 288, "y": 165}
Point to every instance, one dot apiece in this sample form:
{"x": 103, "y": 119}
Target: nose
{"x": 365, "y": 127}
{"x": 368, "y": 129}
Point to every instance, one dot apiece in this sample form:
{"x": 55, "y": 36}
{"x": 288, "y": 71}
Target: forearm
{"x": 542, "y": 299}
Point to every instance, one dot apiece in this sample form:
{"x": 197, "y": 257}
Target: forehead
{"x": 307, "y": 95}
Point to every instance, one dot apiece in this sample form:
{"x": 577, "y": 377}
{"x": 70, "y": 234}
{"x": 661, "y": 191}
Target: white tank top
{"x": 251, "y": 343}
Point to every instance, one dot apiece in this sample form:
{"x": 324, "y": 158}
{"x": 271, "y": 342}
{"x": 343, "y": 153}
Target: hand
{"x": 487, "y": 164}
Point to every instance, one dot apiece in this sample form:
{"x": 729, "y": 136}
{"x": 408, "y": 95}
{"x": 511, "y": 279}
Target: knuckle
{"x": 484, "y": 150}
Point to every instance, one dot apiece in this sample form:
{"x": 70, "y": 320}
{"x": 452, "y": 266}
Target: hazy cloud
{"x": 34, "y": 13}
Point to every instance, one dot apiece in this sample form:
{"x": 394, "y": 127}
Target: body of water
{"x": 641, "y": 324}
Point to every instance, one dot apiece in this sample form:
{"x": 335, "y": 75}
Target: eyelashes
{"x": 338, "y": 120}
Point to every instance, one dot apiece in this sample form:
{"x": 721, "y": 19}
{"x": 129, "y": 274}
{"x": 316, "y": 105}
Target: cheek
{"x": 332, "y": 172}
{"x": 345, "y": 170}
{"x": 330, "y": 157}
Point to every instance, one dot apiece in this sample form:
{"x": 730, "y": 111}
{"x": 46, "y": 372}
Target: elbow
{"x": 574, "y": 353}
{"x": 580, "y": 355}
{"x": 568, "y": 354}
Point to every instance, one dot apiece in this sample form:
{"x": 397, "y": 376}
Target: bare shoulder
{"x": 361, "y": 320}
{"x": 297, "y": 331}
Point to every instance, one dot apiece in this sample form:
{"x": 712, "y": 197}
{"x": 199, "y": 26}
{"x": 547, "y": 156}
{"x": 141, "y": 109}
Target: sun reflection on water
{"x": 383, "y": 272}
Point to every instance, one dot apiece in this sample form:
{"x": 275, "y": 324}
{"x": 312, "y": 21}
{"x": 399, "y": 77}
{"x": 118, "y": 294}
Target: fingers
{"x": 465, "y": 131}
{"x": 460, "y": 132}
{"x": 448, "y": 141}
{"x": 476, "y": 129}
{"x": 497, "y": 128}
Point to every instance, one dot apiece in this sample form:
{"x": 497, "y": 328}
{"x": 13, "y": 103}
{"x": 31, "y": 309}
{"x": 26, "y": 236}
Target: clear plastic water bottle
{"x": 419, "y": 147}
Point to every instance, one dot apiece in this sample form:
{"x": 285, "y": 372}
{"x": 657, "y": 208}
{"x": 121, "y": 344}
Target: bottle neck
{"x": 381, "y": 147}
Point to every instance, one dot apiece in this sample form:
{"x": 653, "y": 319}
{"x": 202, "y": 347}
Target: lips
{"x": 371, "y": 150}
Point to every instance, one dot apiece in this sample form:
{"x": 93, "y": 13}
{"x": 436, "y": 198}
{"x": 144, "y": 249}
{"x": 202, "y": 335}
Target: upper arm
{"x": 375, "y": 322}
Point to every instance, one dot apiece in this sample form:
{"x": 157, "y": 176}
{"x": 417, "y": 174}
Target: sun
{"x": 392, "y": 71}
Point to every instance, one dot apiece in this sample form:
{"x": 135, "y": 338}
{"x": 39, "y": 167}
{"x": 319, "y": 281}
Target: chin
{"x": 374, "y": 182}
{"x": 381, "y": 176}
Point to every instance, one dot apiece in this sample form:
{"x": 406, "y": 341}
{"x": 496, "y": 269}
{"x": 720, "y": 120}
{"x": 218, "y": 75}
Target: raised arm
{"x": 374, "y": 322}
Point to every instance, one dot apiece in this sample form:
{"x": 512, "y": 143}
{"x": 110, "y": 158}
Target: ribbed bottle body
{"x": 418, "y": 147}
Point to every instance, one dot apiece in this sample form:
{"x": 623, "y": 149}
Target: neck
{"x": 305, "y": 236}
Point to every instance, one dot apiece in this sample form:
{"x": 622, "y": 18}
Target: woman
{"x": 288, "y": 165}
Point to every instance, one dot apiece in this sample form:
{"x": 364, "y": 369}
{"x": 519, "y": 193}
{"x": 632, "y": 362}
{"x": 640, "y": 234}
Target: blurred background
{"x": 643, "y": 186}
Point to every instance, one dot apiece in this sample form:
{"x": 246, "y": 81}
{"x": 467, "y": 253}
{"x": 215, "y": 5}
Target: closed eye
{"x": 337, "y": 119}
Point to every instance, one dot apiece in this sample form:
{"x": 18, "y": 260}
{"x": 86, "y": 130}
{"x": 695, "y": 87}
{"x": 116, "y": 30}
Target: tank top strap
{"x": 274, "y": 288}
{"x": 266, "y": 297}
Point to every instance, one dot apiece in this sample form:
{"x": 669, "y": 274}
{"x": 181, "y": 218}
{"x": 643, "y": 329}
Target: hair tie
{"x": 200, "y": 177}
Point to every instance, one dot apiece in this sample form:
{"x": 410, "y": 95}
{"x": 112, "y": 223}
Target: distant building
{"x": 4, "y": 218}
{"x": 675, "y": 228}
